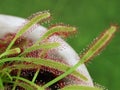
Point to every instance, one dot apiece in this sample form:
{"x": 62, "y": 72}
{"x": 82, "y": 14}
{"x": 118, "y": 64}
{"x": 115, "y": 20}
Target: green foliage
{"x": 62, "y": 30}
{"x": 80, "y": 88}
{"x": 1, "y": 84}
{"x": 4, "y": 57}
{"x": 90, "y": 17}
{"x": 11, "y": 52}
{"x": 44, "y": 62}
{"x": 94, "y": 49}
{"x": 41, "y": 46}
{"x": 37, "y": 18}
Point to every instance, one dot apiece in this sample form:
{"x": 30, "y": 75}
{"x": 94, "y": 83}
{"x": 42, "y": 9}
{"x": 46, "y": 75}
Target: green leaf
{"x": 29, "y": 82}
{"x": 1, "y": 84}
{"x": 11, "y": 52}
{"x": 100, "y": 43}
{"x": 97, "y": 46}
{"x": 76, "y": 87}
{"x": 35, "y": 76}
{"x": 37, "y": 18}
{"x": 41, "y": 46}
{"x": 48, "y": 63}
{"x": 20, "y": 66}
{"x": 26, "y": 86}
{"x": 58, "y": 29}
{"x": 8, "y": 75}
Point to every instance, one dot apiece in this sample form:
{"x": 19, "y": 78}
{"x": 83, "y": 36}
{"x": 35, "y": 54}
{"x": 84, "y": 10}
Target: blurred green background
{"x": 91, "y": 17}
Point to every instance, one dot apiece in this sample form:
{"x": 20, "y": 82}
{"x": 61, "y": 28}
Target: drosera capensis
{"x": 92, "y": 51}
{"x": 41, "y": 59}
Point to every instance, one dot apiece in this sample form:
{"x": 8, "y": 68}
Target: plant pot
{"x": 11, "y": 24}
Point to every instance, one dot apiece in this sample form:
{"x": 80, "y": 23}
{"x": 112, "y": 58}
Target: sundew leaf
{"x": 7, "y": 74}
{"x": 41, "y": 46}
{"x": 24, "y": 85}
{"x": 21, "y": 84}
{"x": 76, "y": 87}
{"x": 29, "y": 82}
{"x": 1, "y": 84}
{"x": 20, "y": 66}
{"x": 48, "y": 63}
{"x": 58, "y": 30}
{"x": 35, "y": 75}
{"x": 11, "y": 52}
{"x": 37, "y": 18}
{"x": 99, "y": 44}
{"x": 95, "y": 49}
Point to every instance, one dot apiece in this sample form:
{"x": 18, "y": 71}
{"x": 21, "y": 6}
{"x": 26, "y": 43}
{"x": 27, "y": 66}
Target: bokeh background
{"x": 91, "y": 17}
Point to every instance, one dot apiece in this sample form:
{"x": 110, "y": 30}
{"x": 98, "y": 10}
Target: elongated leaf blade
{"x": 99, "y": 44}
{"x": 48, "y": 63}
{"x": 58, "y": 30}
{"x": 1, "y": 84}
{"x": 75, "y": 87}
{"x": 42, "y": 46}
{"x": 37, "y": 18}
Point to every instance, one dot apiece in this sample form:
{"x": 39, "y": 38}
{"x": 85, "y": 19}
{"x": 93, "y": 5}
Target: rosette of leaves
{"x": 24, "y": 64}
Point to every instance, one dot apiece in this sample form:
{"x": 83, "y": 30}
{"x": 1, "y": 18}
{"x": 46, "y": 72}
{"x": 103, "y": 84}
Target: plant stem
{"x": 63, "y": 75}
{"x": 18, "y": 75}
{"x": 35, "y": 76}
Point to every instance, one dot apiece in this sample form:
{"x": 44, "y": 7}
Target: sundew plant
{"x": 24, "y": 64}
